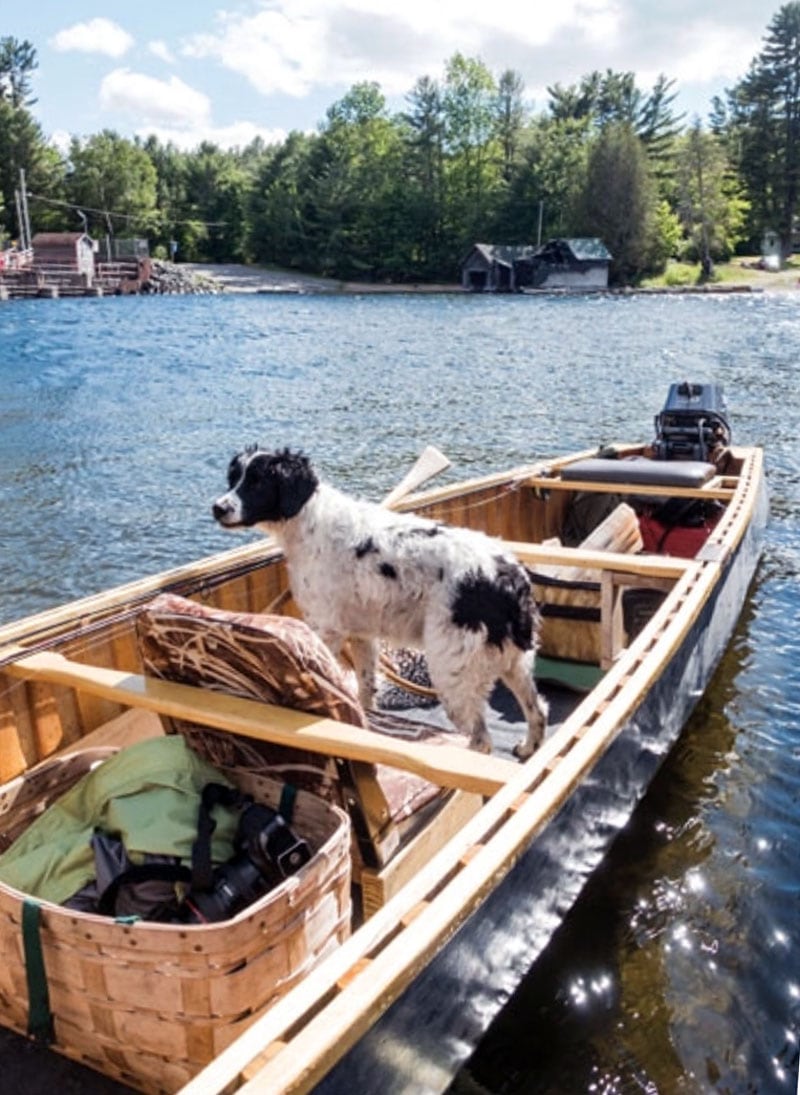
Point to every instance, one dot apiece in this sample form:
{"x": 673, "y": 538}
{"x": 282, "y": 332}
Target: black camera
{"x": 267, "y": 851}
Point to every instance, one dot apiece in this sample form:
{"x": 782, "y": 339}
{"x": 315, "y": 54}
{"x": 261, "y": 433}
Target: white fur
{"x": 335, "y": 547}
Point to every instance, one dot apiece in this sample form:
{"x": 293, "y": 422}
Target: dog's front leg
{"x": 364, "y": 653}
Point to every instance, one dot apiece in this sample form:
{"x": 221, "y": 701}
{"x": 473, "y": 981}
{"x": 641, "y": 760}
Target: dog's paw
{"x": 481, "y": 743}
{"x": 525, "y": 749}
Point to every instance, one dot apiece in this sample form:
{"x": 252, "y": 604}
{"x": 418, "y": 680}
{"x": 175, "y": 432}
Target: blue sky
{"x": 226, "y": 71}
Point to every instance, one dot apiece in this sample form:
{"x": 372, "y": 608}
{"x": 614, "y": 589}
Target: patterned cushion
{"x": 275, "y": 659}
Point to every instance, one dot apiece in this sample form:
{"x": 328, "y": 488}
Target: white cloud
{"x": 312, "y": 50}
{"x": 94, "y": 36}
{"x": 175, "y": 112}
{"x": 292, "y": 46}
{"x": 274, "y": 52}
{"x": 61, "y": 140}
{"x": 148, "y": 100}
{"x": 709, "y": 53}
{"x": 161, "y": 50}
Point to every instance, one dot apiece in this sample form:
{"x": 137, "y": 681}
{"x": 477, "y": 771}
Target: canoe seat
{"x": 278, "y": 659}
{"x": 640, "y": 472}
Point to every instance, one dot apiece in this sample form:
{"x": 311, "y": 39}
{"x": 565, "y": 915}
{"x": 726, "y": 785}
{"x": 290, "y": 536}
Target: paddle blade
{"x": 430, "y": 462}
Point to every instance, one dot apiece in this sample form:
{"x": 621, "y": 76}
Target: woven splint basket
{"x": 151, "y": 1004}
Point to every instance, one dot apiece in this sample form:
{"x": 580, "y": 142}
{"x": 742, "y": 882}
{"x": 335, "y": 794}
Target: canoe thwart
{"x": 446, "y": 765}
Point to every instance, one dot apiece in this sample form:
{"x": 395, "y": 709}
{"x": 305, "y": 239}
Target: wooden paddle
{"x": 430, "y": 462}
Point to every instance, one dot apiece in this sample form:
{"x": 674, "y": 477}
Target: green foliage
{"x": 678, "y": 274}
{"x": 216, "y": 191}
{"x": 355, "y": 191}
{"x": 276, "y": 218}
{"x": 510, "y": 117}
{"x": 17, "y": 62}
{"x": 472, "y": 173}
{"x": 113, "y": 181}
{"x": 667, "y": 236}
{"x": 552, "y": 181}
{"x": 761, "y": 127}
{"x": 710, "y": 204}
{"x": 611, "y": 98}
{"x": 23, "y": 147}
{"x": 377, "y": 196}
{"x": 620, "y": 204}
{"x": 423, "y": 135}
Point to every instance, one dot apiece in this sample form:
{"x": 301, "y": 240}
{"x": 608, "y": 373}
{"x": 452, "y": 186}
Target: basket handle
{"x": 40, "y": 1017}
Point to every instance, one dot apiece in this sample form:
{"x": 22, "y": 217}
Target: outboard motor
{"x": 692, "y": 425}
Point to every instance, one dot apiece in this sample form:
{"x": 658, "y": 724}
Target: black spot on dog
{"x": 502, "y": 604}
{"x": 366, "y": 547}
{"x": 428, "y": 531}
{"x": 388, "y": 571}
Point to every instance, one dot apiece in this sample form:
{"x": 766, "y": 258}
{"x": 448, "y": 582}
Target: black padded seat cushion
{"x": 640, "y": 472}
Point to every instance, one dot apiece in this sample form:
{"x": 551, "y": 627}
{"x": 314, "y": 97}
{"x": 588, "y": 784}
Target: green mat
{"x": 578, "y": 676}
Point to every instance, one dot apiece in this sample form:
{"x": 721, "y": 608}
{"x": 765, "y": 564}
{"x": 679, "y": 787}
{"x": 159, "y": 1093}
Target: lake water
{"x": 678, "y": 969}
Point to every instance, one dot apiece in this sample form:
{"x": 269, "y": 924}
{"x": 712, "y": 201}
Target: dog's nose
{"x": 220, "y": 509}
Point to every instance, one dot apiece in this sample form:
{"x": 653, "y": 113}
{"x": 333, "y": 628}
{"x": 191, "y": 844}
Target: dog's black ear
{"x": 296, "y": 481}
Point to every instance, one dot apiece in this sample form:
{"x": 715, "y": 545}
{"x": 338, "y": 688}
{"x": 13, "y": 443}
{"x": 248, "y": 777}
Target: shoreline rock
{"x": 172, "y": 278}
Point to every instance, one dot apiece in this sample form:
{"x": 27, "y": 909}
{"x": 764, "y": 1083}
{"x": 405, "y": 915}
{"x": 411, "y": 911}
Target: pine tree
{"x": 763, "y": 129}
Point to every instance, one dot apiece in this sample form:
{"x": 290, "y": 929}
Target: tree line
{"x": 402, "y": 196}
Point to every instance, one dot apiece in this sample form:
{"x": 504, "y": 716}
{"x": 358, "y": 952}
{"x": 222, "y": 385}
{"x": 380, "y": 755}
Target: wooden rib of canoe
{"x": 453, "y": 922}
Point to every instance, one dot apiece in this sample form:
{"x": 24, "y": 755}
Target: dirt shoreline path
{"x": 241, "y": 278}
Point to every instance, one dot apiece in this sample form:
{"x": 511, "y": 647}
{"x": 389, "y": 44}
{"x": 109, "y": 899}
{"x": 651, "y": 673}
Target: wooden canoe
{"x": 454, "y": 912}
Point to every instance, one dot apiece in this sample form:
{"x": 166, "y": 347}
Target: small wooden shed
{"x": 491, "y": 267}
{"x": 65, "y": 252}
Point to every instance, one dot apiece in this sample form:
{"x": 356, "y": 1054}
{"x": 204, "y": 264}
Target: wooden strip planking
{"x": 445, "y": 765}
{"x": 486, "y": 808}
{"x": 98, "y": 605}
{"x": 382, "y": 925}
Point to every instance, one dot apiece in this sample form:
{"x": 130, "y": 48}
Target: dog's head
{"x": 265, "y": 487}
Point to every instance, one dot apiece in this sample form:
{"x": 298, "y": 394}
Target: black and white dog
{"x": 360, "y": 573}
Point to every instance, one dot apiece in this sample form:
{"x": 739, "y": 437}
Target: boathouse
{"x": 491, "y": 268}
{"x": 567, "y": 263}
{"x": 577, "y": 263}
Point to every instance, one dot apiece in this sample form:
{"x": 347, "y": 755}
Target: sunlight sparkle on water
{"x": 581, "y": 991}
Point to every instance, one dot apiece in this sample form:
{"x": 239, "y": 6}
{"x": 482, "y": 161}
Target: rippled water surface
{"x": 677, "y": 971}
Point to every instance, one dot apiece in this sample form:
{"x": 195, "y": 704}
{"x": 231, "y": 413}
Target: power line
{"x": 122, "y": 216}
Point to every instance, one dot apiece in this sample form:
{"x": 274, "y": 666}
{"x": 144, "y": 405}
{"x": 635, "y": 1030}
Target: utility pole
{"x": 541, "y": 214}
{"x": 21, "y": 231}
{"x": 22, "y": 213}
